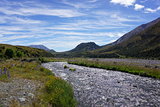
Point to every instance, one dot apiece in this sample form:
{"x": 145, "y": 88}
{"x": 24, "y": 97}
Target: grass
{"x": 72, "y": 69}
{"x": 55, "y": 92}
{"x": 129, "y": 68}
{"x": 45, "y": 59}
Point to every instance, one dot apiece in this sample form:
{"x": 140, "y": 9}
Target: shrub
{"x": 65, "y": 66}
{"x": 9, "y": 53}
{"x": 20, "y": 54}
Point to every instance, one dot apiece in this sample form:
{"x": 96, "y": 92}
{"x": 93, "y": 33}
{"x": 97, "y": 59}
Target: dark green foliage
{"x": 65, "y": 66}
{"x": 20, "y": 54}
{"x": 9, "y": 53}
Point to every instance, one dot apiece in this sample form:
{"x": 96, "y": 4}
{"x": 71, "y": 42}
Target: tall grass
{"x": 124, "y": 67}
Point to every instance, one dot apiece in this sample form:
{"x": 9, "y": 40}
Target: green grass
{"x": 45, "y": 59}
{"x": 55, "y": 92}
{"x": 129, "y": 68}
{"x": 72, "y": 69}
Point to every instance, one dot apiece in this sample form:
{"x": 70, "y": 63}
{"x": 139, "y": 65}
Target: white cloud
{"x": 149, "y": 10}
{"x": 92, "y": 1}
{"x": 138, "y": 7}
{"x": 88, "y": 4}
{"x": 18, "y": 20}
{"x": 41, "y": 11}
{"x": 123, "y": 2}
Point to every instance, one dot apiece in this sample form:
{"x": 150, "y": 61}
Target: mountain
{"x": 40, "y": 47}
{"x": 10, "y": 51}
{"x": 79, "y": 51}
{"x": 85, "y": 47}
{"x": 142, "y": 42}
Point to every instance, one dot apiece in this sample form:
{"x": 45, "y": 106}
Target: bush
{"x": 20, "y": 54}
{"x": 9, "y": 53}
{"x": 65, "y": 67}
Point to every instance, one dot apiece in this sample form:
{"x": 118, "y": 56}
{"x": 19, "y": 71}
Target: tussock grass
{"x": 55, "y": 92}
{"x": 129, "y": 68}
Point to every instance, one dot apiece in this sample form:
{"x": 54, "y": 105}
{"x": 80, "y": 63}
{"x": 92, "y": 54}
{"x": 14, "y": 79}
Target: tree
{"x": 9, "y": 53}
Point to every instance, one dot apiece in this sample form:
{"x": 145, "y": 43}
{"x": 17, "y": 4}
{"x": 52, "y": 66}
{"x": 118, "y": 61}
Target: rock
{"x": 22, "y": 99}
{"x": 31, "y": 95}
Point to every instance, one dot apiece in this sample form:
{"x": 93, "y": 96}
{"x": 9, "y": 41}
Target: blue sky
{"x": 63, "y": 24}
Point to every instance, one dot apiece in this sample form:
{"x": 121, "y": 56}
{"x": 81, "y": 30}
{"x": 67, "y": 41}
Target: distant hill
{"x": 40, "y": 47}
{"x": 9, "y": 51}
{"x": 142, "y": 42}
{"x": 79, "y": 50}
{"x": 85, "y": 47}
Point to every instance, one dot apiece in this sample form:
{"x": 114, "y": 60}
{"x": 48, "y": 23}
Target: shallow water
{"x": 95, "y": 87}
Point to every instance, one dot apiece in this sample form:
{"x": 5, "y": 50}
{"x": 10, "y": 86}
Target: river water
{"x": 95, "y": 87}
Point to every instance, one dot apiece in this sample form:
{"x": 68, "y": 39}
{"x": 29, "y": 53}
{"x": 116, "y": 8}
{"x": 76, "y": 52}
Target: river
{"x": 95, "y": 87}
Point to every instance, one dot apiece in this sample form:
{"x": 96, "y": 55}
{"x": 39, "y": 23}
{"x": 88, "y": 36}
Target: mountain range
{"x": 142, "y": 42}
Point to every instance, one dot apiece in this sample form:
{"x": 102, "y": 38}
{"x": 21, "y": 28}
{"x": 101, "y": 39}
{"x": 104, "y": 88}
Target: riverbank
{"x": 141, "y": 69}
{"x": 27, "y": 83}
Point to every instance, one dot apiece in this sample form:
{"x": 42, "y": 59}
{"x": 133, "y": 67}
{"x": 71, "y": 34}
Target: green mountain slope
{"x": 10, "y": 51}
{"x": 79, "y": 51}
{"x": 142, "y": 42}
{"x": 85, "y": 47}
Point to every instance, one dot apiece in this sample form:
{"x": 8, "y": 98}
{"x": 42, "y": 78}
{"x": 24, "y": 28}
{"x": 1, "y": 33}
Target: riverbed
{"x": 95, "y": 87}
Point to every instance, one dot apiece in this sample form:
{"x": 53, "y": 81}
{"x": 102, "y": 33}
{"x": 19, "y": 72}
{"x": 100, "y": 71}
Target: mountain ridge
{"x": 141, "y": 42}
{"x": 39, "y": 47}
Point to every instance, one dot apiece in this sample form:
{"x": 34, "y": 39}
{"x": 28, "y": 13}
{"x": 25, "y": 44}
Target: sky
{"x": 63, "y": 24}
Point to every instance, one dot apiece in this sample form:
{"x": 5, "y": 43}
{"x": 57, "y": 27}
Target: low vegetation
{"x": 46, "y": 59}
{"x": 124, "y": 67}
{"x": 65, "y": 67}
{"x": 54, "y": 92}
{"x": 72, "y": 69}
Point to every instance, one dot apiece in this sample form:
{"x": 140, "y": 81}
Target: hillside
{"x": 142, "y": 42}
{"x": 85, "y": 47}
{"x": 79, "y": 51}
{"x": 9, "y": 51}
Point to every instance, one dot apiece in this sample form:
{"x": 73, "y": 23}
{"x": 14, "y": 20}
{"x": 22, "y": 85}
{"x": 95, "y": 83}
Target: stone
{"x": 31, "y": 95}
{"x": 22, "y": 99}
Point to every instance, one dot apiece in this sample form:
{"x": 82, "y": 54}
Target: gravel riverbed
{"x": 103, "y": 88}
